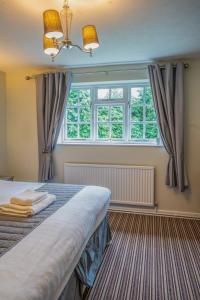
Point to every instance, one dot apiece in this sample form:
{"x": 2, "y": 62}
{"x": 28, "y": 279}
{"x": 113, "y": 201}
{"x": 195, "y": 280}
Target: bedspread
{"x": 39, "y": 266}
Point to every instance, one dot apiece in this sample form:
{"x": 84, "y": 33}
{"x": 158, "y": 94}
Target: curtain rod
{"x": 106, "y": 72}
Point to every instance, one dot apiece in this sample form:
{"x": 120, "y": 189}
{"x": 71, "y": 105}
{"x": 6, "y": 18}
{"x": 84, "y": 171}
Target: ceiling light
{"x": 50, "y": 48}
{"x": 90, "y": 38}
{"x": 52, "y": 24}
{"x": 57, "y": 28}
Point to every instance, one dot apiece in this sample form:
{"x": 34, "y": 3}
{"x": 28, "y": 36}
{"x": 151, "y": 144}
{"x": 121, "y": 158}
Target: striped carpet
{"x": 150, "y": 258}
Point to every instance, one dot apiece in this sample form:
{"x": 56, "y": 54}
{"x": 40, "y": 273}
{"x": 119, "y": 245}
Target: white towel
{"x": 26, "y": 211}
{"x": 9, "y": 189}
{"x": 28, "y": 197}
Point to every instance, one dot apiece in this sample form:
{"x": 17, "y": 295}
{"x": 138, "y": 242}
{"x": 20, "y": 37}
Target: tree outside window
{"x": 122, "y": 113}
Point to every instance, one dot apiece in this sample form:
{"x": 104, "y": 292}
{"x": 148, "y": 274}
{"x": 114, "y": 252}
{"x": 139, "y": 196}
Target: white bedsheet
{"x": 39, "y": 266}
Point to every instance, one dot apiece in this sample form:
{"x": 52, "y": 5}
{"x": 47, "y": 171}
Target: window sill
{"x": 107, "y": 144}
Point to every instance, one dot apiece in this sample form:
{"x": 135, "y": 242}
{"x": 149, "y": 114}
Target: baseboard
{"x": 153, "y": 211}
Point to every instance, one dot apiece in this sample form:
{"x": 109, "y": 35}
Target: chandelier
{"x": 57, "y": 27}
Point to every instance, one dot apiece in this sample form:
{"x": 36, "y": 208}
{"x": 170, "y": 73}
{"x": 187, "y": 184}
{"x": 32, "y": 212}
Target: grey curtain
{"x": 167, "y": 87}
{"x": 52, "y": 90}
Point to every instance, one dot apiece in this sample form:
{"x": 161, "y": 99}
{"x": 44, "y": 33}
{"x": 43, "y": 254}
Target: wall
{"x": 22, "y": 139}
{"x": 2, "y": 123}
{"x": 22, "y": 158}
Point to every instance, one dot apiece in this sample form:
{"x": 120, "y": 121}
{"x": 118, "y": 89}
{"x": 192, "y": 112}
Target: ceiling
{"x": 129, "y": 31}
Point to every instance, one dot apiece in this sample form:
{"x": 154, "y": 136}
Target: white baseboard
{"x": 153, "y": 211}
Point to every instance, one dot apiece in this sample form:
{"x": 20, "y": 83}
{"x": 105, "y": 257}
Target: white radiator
{"x": 132, "y": 185}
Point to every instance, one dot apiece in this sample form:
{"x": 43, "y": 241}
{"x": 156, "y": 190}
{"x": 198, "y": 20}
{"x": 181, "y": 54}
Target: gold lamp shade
{"x": 90, "y": 38}
{"x": 52, "y": 24}
{"x": 50, "y": 48}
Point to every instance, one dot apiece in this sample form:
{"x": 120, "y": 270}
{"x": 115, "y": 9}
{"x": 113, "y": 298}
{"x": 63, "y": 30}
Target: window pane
{"x": 151, "y": 131}
{"x": 84, "y": 97}
{"x": 73, "y": 98}
{"x": 150, "y": 113}
{"x": 137, "y": 95}
{"x": 103, "y": 113}
{"x": 110, "y": 115}
{"x": 136, "y": 131}
{"x": 72, "y": 131}
{"x": 117, "y": 131}
{"x": 137, "y": 113}
{"x": 72, "y": 114}
{"x": 103, "y": 131}
{"x": 148, "y": 96}
{"x": 103, "y": 94}
{"x": 85, "y": 114}
{"x": 117, "y": 93}
{"x": 84, "y": 131}
{"x": 117, "y": 113}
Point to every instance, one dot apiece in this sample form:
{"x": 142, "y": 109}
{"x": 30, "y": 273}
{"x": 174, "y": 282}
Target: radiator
{"x": 130, "y": 185}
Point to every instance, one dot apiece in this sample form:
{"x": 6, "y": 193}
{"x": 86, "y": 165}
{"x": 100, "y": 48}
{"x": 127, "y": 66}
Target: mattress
{"x": 40, "y": 264}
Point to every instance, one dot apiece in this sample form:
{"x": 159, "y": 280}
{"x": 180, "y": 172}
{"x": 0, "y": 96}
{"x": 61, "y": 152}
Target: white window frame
{"x": 111, "y": 102}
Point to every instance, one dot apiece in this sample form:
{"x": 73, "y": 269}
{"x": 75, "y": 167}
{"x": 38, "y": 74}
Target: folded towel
{"x": 20, "y": 208}
{"x": 28, "y": 197}
{"x": 26, "y": 211}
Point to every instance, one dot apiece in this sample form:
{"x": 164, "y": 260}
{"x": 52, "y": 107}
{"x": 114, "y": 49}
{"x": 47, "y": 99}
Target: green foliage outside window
{"x": 137, "y": 131}
{"x": 137, "y": 113}
{"x": 110, "y": 118}
{"x": 117, "y": 131}
{"x": 150, "y": 113}
{"x": 151, "y": 131}
{"x": 143, "y": 115}
{"x": 84, "y": 131}
{"x": 78, "y": 114}
{"x": 72, "y": 131}
{"x": 117, "y": 114}
{"x": 81, "y": 97}
{"x": 103, "y": 131}
{"x": 103, "y": 114}
{"x": 85, "y": 114}
{"x": 72, "y": 115}
{"x": 114, "y": 114}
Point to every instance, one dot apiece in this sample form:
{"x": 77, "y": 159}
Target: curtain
{"x": 52, "y": 90}
{"x": 167, "y": 89}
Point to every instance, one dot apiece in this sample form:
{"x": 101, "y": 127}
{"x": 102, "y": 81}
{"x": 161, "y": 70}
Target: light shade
{"x": 52, "y": 24}
{"x": 90, "y": 38}
{"x": 50, "y": 48}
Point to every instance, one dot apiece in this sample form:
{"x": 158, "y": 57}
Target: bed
{"x": 56, "y": 253}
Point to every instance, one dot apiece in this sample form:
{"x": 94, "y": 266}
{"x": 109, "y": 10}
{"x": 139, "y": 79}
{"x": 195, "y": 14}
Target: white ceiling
{"x": 129, "y": 31}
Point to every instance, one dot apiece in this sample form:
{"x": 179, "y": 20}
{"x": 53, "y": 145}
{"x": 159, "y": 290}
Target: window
{"x": 78, "y": 120}
{"x": 111, "y": 114}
